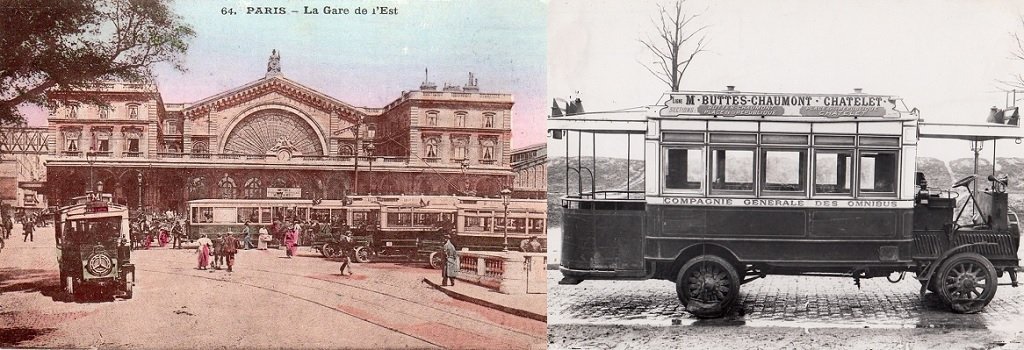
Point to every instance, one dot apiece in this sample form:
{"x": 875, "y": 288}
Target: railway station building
{"x": 275, "y": 138}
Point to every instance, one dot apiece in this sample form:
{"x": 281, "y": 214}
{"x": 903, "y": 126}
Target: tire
{"x": 707, "y": 285}
{"x": 967, "y": 282}
{"x": 362, "y": 255}
{"x": 436, "y": 260}
{"x": 128, "y": 284}
{"x": 70, "y": 288}
{"x": 328, "y": 251}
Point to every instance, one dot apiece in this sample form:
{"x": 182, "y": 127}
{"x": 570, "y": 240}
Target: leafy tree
{"x": 74, "y": 43}
{"x": 676, "y": 45}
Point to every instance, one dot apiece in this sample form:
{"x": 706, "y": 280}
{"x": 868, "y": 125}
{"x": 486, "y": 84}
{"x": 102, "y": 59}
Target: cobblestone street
{"x": 781, "y": 300}
{"x": 778, "y": 312}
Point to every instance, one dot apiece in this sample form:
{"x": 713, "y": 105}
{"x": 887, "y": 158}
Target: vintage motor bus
{"x": 738, "y": 186}
{"x": 93, "y": 250}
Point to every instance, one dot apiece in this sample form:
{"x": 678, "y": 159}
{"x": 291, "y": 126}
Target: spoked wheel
{"x": 437, "y": 260}
{"x": 707, "y": 285}
{"x": 967, "y": 281}
{"x": 328, "y": 250}
{"x": 362, "y": 255}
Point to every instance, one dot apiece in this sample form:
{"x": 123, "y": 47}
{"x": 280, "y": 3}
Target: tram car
{"x": 93, "y": 249}
{"x": 406, "y": 228}
{"x": 738, "y": 186}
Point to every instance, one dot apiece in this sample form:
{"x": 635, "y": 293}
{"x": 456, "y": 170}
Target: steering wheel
{"x": 964, "y": 181}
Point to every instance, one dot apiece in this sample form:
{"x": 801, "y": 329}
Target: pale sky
{"x": 368, "y": 60}
{"x": 943, "y": 57}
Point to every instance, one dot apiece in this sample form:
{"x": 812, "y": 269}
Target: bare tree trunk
{"x": 676, "y": 44}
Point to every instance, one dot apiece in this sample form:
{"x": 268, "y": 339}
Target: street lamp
{"x": 90, "y": 157}
{"x": 369, "y": 148}
{"x": 355, "y": 187}
{"x": 139, "y": 177}
{"x": 506, "y": 197}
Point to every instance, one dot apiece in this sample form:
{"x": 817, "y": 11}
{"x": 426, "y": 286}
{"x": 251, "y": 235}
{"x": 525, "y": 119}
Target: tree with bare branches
{"x": 676, "y": 45}
{"x": 75, "y": 43}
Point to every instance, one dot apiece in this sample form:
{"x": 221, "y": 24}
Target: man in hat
{"x": 347, "y": 249}
{"x": 451, "y": 266}
{"x": 230, "y": 247}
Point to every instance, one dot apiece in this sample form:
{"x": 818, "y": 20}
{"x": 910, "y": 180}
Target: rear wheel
{"x": 707, "y": 285}
{"x": 362, "y": 255}
{"x": 967, "y": 282}
{"x": 436, "y": 260}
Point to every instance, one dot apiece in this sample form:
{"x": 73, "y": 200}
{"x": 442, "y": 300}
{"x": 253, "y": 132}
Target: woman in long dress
{"x": 290, "y": 239}
{"x": 204, "y": 251}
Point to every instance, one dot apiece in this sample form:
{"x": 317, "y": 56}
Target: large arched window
{"x": 228, "y": 190}
{"x": 253, "y": 188}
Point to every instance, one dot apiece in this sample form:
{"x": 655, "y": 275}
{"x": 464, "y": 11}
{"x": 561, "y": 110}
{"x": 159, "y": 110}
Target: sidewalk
{"x": 532, "y": 306}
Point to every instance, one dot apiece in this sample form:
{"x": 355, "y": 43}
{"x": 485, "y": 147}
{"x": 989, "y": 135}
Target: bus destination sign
{"x": 794, "y": 105}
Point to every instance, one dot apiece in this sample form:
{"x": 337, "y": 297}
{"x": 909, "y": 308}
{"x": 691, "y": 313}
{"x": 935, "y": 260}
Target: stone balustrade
{"x": 506, "y": 272}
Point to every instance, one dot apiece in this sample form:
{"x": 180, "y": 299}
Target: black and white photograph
{"x": 785, "y": 174}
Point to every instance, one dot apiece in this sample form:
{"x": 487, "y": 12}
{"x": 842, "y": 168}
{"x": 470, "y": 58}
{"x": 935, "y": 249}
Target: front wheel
{"x": 362, "y": 255}
{"x": 328, "y": 250}
{"x": 707, "y": 286}
{"x": 128, "y": 284}
{"x": 967, "y": 282}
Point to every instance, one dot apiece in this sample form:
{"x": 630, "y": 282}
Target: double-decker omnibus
{"x": 738, "y": 186}
{"x": 404, "y": 227}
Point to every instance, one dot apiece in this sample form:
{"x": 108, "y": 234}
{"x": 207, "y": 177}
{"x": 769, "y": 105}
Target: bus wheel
{"x": 362, "y": 255}
{"x": 967, "y": 281}
{"x": 328, "y": 251}
{"x": 436, "y": 260}
{"x": 707, "y": 286}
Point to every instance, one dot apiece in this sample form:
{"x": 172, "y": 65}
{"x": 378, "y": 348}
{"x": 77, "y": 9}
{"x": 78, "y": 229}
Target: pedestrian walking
{"x": 451, "y": 266}
{"x": 218, "y": 251}
{"x": 347, "y": 249}
{"x": 290, "y": 240}
{"x": 247, "y": 236}
{"x": 178, "y": 232}
{"x": 264, "y": 238}
{"x": 229, "y": 249}
{"x": 204, "y": 251}
{"x": 28, "y": 227}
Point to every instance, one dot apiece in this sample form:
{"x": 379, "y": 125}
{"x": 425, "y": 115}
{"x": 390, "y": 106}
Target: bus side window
{"x": 878, "y": 172}
{"x": 733, "y": 170}
{"x": 784, "y": 170}
{"x": 684, "y": 169}
{"x": 832, "y": 170}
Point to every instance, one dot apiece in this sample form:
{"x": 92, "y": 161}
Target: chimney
{"x": 471, "y": 84}
{"x": 730, "y": 88}
{"x": 427, "y": 85}
{"x": 858, "y": 90}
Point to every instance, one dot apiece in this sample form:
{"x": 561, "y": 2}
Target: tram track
{"x": 298, "y": 297}
{"x": 453, "y": 320}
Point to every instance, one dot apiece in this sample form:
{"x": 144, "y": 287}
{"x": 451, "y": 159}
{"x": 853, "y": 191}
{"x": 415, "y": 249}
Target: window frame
{"x": 762, "y": 180}
{"x": 710, "y": 173}
{"x": 665, "y": 168}
{"x": 896, "y": 171}
{"x": 853, "y": 170}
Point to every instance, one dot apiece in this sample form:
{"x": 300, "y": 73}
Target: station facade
{"x": 275, "y": 138}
